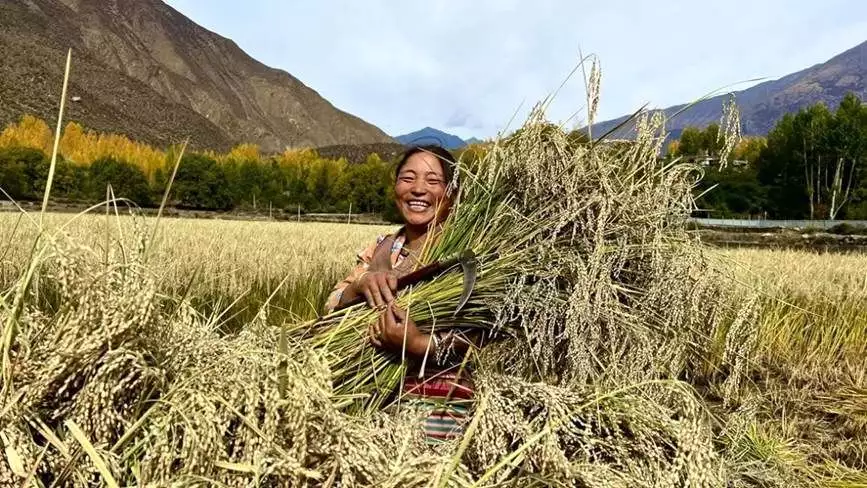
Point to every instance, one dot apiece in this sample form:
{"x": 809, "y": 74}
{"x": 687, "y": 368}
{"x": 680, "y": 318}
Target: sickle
{"x": 469, "y": 267}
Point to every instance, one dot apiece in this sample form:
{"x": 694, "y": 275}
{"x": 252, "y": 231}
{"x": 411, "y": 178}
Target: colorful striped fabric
{"x": 445, "y": 398}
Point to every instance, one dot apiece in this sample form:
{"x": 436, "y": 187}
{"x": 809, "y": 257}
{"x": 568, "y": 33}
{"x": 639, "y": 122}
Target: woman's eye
{"x": 406, "y": 179}
{"x": 434, "y": 181}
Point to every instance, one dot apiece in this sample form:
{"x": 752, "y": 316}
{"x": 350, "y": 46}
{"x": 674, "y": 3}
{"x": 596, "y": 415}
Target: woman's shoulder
{"x": 367, "y": 254}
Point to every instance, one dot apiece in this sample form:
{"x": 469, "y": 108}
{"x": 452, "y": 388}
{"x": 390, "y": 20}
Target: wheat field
{"x": 811, "y": 324}
{"x": 230, "y": 267}
{"x": 228, "y": 259}
{"x": 220, "y": 262}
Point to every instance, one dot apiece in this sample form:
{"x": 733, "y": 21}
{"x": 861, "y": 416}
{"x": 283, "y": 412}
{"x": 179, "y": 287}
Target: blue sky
{"x": 469, "y": 66}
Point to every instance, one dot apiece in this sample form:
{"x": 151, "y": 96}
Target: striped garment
{"x": 445, "y": 399}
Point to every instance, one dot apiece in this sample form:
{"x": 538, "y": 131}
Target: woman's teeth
{"x": 418, "y": 205}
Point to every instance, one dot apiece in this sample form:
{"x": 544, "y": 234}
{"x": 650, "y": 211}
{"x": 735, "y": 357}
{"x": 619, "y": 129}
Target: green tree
{"x": 710, "y": 140}
{"x": 732, "y": 193}
{"x": 794, "y": 166}
{"x": 17, "y": 171}
{"x": 201, "y": 183}
{"x": 848, "y": 142}
{"x": 365, "y": 185}
{"x": 691, "y": 142}
{"x": 24, "y": 173}
{"x": 126, "y": 180}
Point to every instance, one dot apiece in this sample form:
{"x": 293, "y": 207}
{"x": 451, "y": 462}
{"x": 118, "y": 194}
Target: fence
{"x": 773, "y": 224}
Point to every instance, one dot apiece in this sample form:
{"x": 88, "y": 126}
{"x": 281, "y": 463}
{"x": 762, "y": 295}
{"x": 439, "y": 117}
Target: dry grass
{"x": 815, "y": 305}
{"x": 215, "y": 261}
{"x": 625, "y": 358}
{"x": 811, "y": 334}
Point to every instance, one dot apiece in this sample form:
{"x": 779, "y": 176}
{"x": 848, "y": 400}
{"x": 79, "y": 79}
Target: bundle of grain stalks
{"x": 617, "y": 353}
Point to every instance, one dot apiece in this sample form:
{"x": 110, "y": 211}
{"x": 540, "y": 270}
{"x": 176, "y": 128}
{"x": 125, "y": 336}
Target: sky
{"x": 476, "y": 67}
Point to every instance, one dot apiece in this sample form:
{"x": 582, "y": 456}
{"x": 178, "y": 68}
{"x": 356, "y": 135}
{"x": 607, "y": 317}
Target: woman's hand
{"x": 378, "y": 287}
{"x": 393, "y": 327}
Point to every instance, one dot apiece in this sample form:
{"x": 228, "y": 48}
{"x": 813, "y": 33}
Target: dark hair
{"x": 446, "y": 159}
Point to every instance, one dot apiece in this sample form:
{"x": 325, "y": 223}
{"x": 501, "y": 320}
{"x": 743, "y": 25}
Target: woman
{"x": 435, "y": 380}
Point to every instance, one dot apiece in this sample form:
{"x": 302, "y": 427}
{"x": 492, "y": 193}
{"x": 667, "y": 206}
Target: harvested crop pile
{"x": 621, "y": 358}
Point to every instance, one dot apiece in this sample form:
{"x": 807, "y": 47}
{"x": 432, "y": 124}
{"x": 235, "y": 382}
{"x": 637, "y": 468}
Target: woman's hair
{"x": 447, "y": 160}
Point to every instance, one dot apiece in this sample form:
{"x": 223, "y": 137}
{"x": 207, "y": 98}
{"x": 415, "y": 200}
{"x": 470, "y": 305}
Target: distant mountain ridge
{"x": 429, "y": 135}
{"x": 142, "y": 68}
{"x": 761, "y": 106}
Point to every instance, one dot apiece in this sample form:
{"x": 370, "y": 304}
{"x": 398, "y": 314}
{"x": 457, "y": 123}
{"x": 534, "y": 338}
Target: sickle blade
{"x": 469, "y": 266}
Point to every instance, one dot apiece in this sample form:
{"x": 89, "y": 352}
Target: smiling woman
{"x": 423, "y": 194}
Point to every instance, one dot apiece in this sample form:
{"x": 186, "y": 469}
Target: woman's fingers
{"x": 385, "y": 288}
{"x": 373, "y": 288}
{"x": 399, "y": 314}
{"x": 368, "y": 297}
{"x": 374, "y": 331}
{"x": 388, "y": 317}
{"x": 379, "y": 289}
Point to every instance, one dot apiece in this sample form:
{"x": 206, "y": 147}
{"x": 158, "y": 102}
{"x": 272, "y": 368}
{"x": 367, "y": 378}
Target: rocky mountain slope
{"x": 142, "y": 68}
{"x": 763, "y": 105}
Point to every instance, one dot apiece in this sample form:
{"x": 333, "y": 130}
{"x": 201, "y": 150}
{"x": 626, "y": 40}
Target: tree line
{"x": 297, "y": 182}
{"x": 242, "y": 179}
{"x": 812, "y": 165}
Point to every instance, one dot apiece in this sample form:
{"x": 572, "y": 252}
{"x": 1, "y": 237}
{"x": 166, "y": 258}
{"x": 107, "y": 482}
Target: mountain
{"x": 142, "y": 68}
{"x": 763, "y": 105}
{"x": 429, "y": 135}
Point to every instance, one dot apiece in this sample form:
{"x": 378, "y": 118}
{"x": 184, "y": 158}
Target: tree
{"x": 25, "y": 172}
{"x": 794, "y": 165}
{"x": 365, "y": 185}
{"x": 749, "y": 149}
{"x": 202, "y": 184}
{"x": 815, "y": 160}
{"x": 14, "y": 172}
{"x": 710, "y": 140}
{"x": 732, "y": 192}
{"x": 30, "y": 132}
{"x": 848, "y": 141}
{"x": 691, "y": 142}
{"x": 126, "y": 180}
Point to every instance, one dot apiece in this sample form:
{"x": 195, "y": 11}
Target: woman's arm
{"x": 394, "y": 327}
{"x": 373, "y": 278}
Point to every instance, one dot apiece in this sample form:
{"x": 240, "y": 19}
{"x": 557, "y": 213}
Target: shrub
{"x": 845, "y": 229}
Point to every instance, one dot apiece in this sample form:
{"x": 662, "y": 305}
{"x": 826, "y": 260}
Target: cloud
{"x": 463, "y": 118}
{"x": 471, "y": 65}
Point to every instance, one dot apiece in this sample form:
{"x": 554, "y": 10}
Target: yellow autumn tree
{"x": 31, "y": 132}
{"x": 299, "y": 158}
{"x": 83, "y": 147}
{"x": 76, "y": 145}
{"x": 244, "y": 152}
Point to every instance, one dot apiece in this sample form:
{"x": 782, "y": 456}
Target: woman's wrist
{"x": 423, "y": 344}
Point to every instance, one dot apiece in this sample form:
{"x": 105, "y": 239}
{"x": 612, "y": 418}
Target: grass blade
{"x": 94, "y": 456}
{"x": 57, "y": 133}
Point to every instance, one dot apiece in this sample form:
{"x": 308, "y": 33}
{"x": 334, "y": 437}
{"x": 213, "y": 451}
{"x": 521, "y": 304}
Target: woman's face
{"x": 420, "y": 190}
